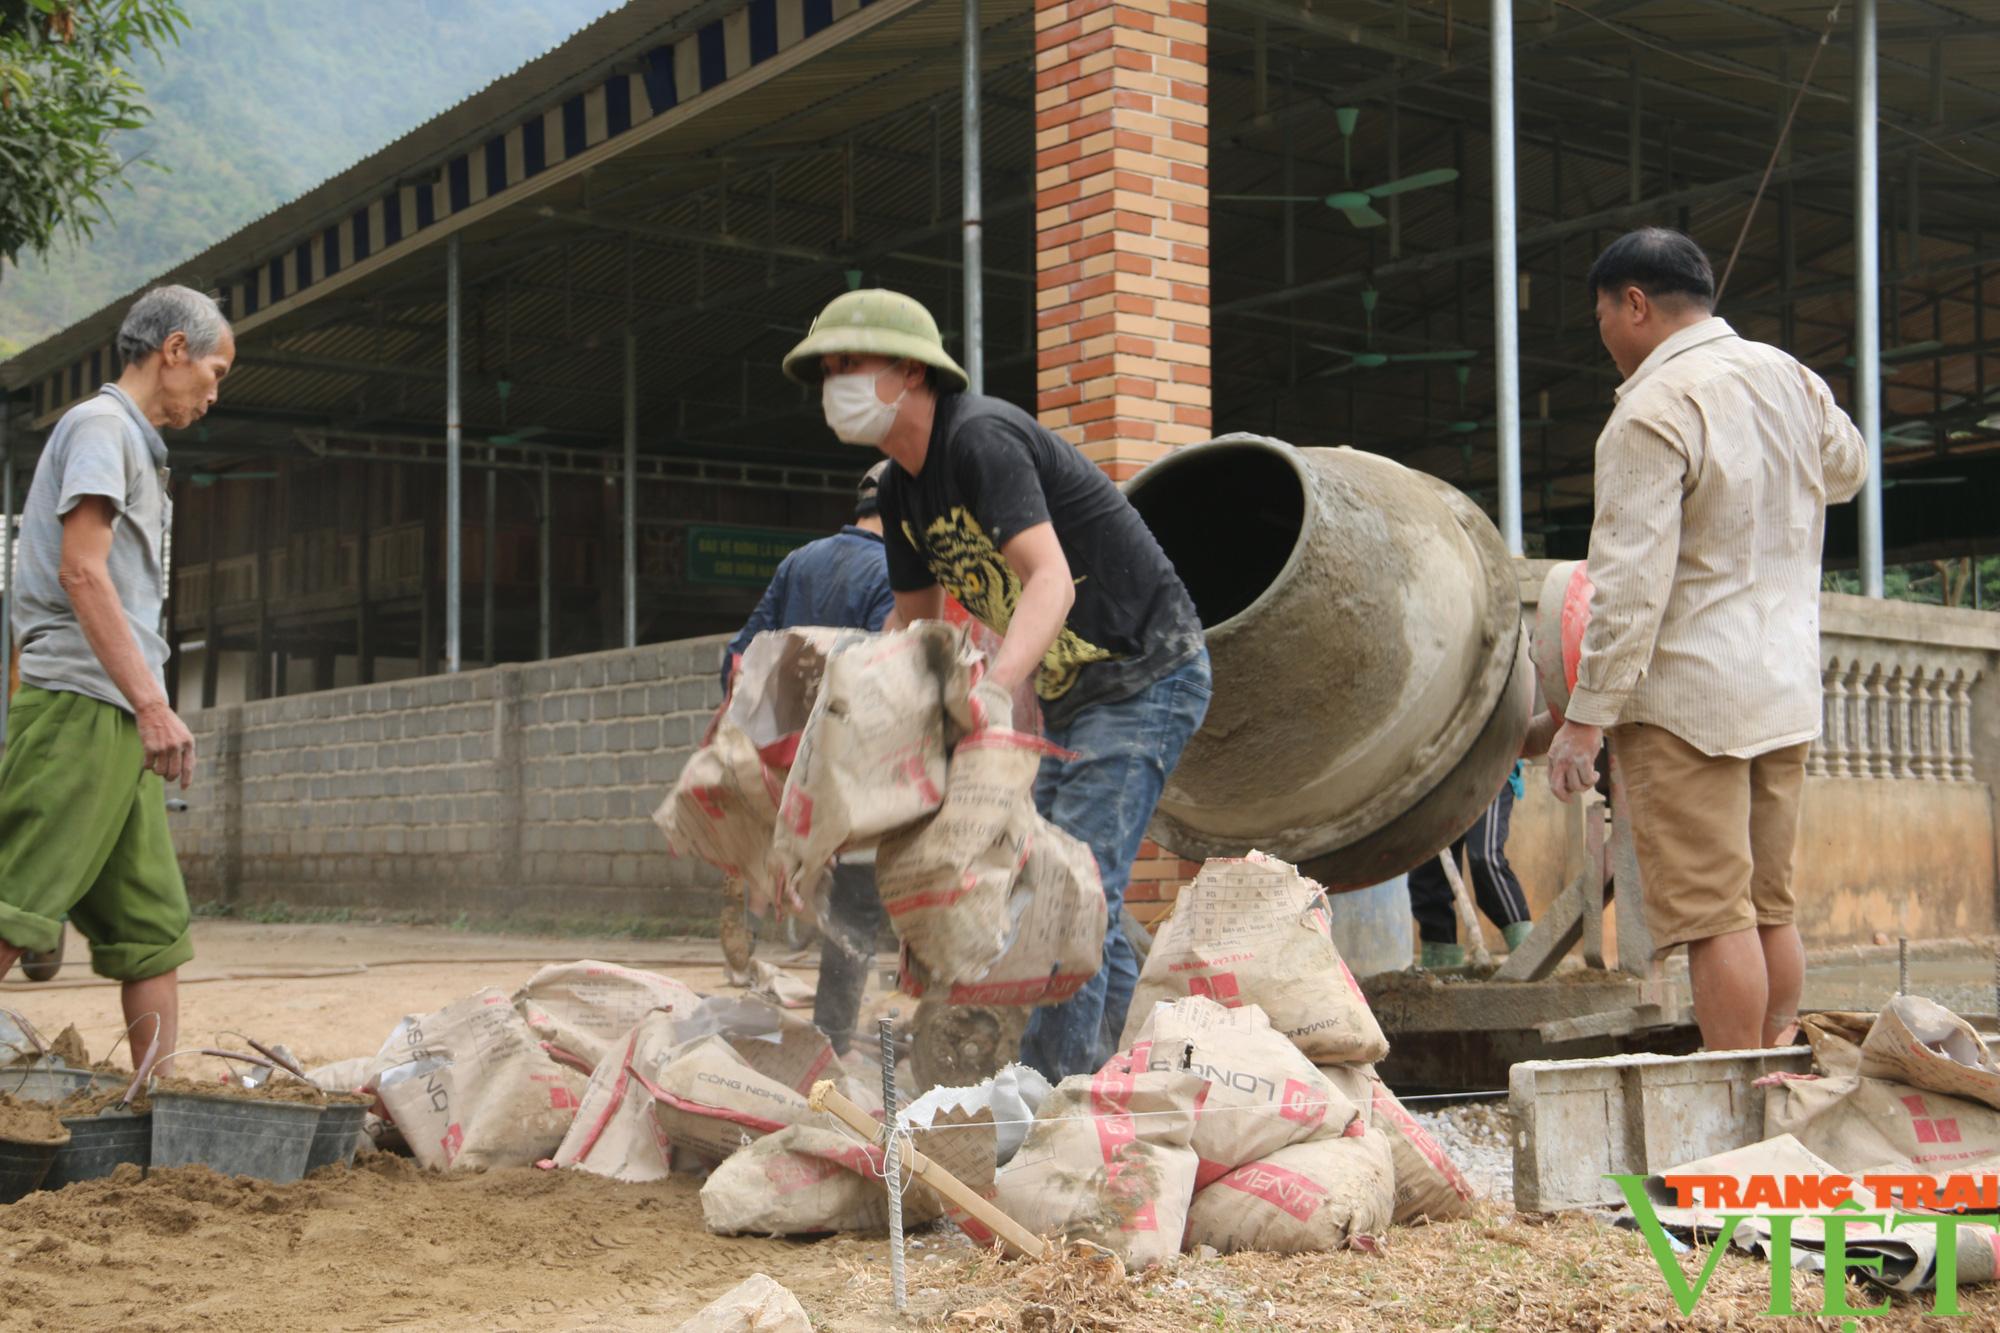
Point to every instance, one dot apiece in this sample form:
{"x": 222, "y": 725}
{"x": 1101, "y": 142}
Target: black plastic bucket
{"x": 237, "y": 1136}
{"x": 100, "y": 1144}
{"x": 23, "y": 1167}
{"x": 338, "y": 1136}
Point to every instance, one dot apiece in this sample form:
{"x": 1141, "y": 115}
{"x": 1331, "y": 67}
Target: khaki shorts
{"x": 1714, "y": 835}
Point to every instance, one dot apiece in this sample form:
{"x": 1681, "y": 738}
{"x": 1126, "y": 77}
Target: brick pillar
{"x": 1121, "y": 199}
{"x": 1121, "y": 263}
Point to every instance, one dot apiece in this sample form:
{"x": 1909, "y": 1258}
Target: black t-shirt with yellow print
{"x": 993, "y": 472}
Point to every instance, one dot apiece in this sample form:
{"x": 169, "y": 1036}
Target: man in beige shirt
{"x": 1702, "y": 654}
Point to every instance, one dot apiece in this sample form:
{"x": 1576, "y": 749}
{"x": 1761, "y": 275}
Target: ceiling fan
{"x": 1907, "y": 352}
{"x": 1370, "y": 359}
{"x": 1357, "y": 206}
{"x": 505, "y": 388}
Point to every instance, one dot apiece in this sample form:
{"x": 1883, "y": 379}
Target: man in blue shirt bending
{"x": 841, "y": 582}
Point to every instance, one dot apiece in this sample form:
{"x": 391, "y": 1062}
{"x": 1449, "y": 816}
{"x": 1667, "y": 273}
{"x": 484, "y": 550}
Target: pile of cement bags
{"x": 838, "y": 741}
{"x": 1911, "y": 1093}
{"x": 614, "y": 1070}
{"x": 1243, "y": 1113}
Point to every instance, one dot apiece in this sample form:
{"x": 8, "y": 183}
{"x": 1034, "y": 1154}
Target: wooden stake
{"x": 829, "y": 1099}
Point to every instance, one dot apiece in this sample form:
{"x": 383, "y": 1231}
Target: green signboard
{"x": 738, "y": 557}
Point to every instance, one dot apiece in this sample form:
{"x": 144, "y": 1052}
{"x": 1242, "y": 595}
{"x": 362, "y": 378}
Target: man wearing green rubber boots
{"x": 984, "y": 503}
{"x": 83, "y": 824}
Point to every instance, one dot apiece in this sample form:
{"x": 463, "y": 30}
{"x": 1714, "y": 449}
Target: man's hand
{"x": 1573, "y": 759}
{"x": 169, "y": 744}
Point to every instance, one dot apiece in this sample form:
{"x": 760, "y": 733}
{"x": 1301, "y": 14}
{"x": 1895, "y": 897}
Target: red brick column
{"x": 1121, "y": 199}
{"x": 1121, "y": 226}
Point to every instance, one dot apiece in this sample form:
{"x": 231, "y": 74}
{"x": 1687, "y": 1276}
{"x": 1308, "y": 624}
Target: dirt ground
{"x": 387, "y": 1245}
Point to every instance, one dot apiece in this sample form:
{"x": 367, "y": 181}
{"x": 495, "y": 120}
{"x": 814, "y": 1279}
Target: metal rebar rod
{"x": 1903, "y": 965}
{"x": 1506, "y": 298}
{"x": 975, "y": 305}
{"x": 893, "y": 1165}
{"x": 454, "y": 479}
{"x": 631, "y": 488}
{"x": 1867, "y": 294}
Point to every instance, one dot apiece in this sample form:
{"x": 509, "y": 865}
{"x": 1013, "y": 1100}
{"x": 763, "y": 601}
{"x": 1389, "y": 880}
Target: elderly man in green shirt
{"x": 92, "y": 742}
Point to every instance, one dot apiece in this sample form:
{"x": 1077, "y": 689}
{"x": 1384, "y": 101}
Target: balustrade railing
{"x": 1894, "y": 721}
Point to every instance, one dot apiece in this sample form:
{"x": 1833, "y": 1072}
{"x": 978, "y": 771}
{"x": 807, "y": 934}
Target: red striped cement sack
{"x": 1108, "y": 1160}
{"x": 1922, "y": 1043}
{"x": 946, "y": 881}
{"x": 1322, "y": 1194}
{"x": 807, "y": 1180}
{"x": 582, "y": 1009}
{"x": 471, "y": 1086}
{"x": 1429, "y": 1186}
{"x": 871, "y": 757}
{"x": 1262, "y": 1095}
{"x": 713, "y": 1102}
{"x": 1254, "y": 931}
{"x": 1055, "y": 920}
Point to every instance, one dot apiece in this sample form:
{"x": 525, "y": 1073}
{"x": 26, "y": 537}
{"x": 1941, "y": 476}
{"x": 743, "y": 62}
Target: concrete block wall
{"x": 522, "y": 791}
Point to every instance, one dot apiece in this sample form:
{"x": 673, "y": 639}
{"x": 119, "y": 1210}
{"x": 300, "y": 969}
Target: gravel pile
{"x": 1479, "y": 1137}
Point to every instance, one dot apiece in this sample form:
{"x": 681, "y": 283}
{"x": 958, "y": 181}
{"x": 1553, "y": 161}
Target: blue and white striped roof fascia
{"x": 544, "y": 146}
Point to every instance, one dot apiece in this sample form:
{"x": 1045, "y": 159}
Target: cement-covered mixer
{"x": 1372, "y": 685}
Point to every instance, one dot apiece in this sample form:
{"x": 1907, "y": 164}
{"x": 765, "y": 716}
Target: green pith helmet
{"x": 873, "y": 322}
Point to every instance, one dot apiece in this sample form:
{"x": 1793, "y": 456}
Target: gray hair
{"x": 165, "y": 311}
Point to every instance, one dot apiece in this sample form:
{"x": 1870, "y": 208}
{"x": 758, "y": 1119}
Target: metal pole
{"x": 454, "y": 480}
{"x": 543, "y": 580}
{"x": 631, "y": 491}
{"x": 975, "y": 350}
{"x": 1506, "y": 300}
{"x": 7, "y": 569}
{"x": 1867, "y": 295}
{"x": 486, "y": 564}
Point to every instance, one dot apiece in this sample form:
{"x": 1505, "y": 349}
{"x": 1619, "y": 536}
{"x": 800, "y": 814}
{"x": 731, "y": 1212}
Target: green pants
{"x": 83, "y": 831}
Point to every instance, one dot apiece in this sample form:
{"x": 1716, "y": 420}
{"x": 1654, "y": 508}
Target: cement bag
{"x": 585, "y": 1008}
{"x": 871, "y": 758}
{"x": 807, "y": 1180}
{"x": 1108, "y": 1161}
{"x": 1263, "y": 1094}
{"x": 1304, "y": 1198}
{"x": 1253, "y": 931}
{"x": 723, "y": 808}
{"x": 615, "y": 1133}
{"x": 1835, "y": 1038}
{"x": 945, "y": 882}
{"x": 470, "y": 1086}
{"x": 1865, "y": 1125}
{"x": 755, "y": 1305}
{"x": 783, "y": 1048}
{"x": 712, "y": 1102}
{"x": 1055, "y": 943}
{"x": 1429, "y": 1186}
{"x": 1922, "y": 1043}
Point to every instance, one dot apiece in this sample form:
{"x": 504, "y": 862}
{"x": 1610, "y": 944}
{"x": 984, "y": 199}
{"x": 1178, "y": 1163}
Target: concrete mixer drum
{"x": 1372, "y": 686}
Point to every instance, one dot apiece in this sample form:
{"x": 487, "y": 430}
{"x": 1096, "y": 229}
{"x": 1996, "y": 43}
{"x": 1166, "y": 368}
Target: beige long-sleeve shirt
{"x": 1713, "y": 477}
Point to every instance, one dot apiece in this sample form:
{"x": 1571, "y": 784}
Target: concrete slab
{"x": 1580, "y": 1121}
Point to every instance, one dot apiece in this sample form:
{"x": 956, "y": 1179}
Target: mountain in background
{"x": 263, "y": 100}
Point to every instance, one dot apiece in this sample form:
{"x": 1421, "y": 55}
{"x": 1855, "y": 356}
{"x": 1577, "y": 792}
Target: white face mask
{"x": 856, "y": 415}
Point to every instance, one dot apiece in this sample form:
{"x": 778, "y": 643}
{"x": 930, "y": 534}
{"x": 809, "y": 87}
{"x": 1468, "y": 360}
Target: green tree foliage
{"x": 1933, "y": 582}
{"x": 263, "y": 100}
{"x": 65, "y": 94}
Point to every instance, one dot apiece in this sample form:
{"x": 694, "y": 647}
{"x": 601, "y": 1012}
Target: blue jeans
{"x": 1105, "y": 798}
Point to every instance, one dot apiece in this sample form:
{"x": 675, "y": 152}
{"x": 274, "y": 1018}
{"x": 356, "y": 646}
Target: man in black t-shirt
{"x": 984, "y": 503}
